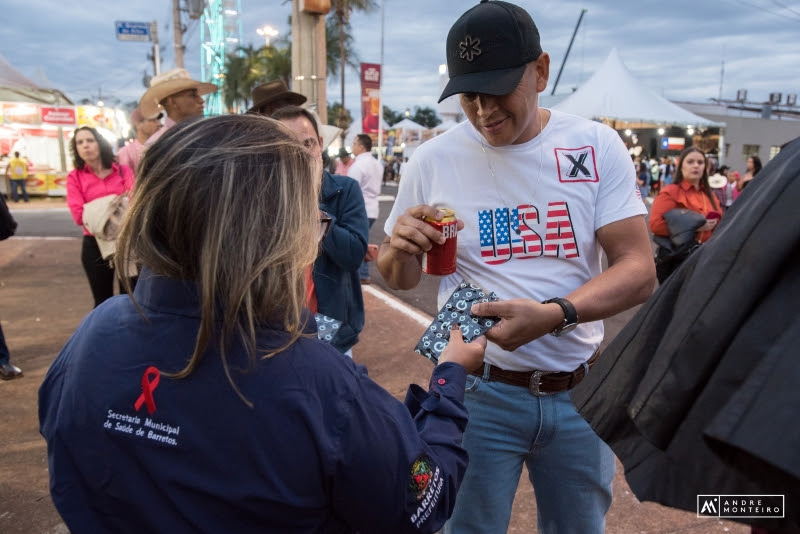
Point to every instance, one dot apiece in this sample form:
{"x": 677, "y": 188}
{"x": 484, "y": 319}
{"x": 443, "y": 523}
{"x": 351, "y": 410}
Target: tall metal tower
{"x": 220, "y": 35}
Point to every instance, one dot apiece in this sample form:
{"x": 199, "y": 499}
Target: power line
{"x": 771, "y": 12}
{"x": 786, "y": 7}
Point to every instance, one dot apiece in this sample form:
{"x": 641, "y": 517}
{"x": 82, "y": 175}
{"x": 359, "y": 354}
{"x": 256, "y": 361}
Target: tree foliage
{"x": 332, "y": 48}
{"x": 390, "y": 116}
{"x": 426, "y": 116}
{"x": 335, "y": 116}
{"x": 250, "y": 67}
{"x": 340, "y": 12}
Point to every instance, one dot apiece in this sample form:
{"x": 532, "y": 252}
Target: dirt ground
{"x": 43, "y": 297}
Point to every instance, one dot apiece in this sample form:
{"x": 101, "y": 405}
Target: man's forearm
{"x": 619, "y": 288}
{"x": 399, "y": 269}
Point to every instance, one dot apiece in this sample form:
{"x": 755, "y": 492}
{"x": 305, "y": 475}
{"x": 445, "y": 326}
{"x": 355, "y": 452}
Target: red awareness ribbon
{"x": 150, "y": 380}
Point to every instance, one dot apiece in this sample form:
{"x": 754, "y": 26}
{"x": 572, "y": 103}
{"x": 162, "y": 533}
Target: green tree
{"x": 234, "y": 90}
{"x": 426, "y": 116}
{"x": 253, "y": 66}
{"x": 336, "y": 116}
{"x": 332, "y": 47}
{"x": 390, "y": 116}
{"x": 340, "y": 11}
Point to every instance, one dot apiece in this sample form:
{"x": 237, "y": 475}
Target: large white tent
{"x": 408, "y": 124}
{"x": 613, "y": 93}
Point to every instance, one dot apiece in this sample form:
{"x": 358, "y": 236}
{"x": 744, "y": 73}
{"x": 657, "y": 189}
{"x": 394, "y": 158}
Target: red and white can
{"x": 441, "y": 259}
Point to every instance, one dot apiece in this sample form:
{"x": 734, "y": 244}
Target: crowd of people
{"x": 652, "y": 175}
{"x": 689, "y": 196}
{"x": 232, "y": 239}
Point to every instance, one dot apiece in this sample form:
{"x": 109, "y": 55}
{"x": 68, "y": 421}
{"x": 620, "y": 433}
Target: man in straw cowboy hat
{"x": 175, "y": 93}
{"x": 271, "y": 96}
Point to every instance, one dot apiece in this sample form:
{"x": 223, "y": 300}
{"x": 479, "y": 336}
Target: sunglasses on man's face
{"x": 324, "y": 224}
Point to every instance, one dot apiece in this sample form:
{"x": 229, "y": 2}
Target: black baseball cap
{"x": 488, "y": 48}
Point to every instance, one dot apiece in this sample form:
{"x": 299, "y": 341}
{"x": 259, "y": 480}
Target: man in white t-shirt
{"x": 539, "y": 195}
{"x": 368, "y": 172}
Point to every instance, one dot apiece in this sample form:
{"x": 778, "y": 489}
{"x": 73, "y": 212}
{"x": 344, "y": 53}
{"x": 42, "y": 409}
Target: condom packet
{"x": 327, "y": 327}
{"x": 456, "y": 311}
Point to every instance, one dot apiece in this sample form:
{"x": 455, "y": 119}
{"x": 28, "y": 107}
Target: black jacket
{"x": 7, "y": 223}
{"x": 700, "y": 392}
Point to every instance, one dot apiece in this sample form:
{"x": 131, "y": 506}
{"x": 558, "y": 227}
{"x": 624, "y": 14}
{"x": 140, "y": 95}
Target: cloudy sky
{"x": 677, "y": 48}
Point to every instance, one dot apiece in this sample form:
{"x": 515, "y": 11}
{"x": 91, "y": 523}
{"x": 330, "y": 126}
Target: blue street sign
{"x": 132, "y": 31}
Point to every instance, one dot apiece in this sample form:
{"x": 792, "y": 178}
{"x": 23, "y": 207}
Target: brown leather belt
{"x": 539, "y": 382}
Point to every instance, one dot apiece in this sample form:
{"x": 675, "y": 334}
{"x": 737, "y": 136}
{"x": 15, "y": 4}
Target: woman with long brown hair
{"x": 690, "y": 190}
{"x": 205, "y": 402}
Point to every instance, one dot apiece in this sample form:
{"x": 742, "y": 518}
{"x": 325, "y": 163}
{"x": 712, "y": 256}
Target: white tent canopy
{"x": 408, "y": 124}
{"x": 613, "y": 92}
{"x": 445, "y": 125}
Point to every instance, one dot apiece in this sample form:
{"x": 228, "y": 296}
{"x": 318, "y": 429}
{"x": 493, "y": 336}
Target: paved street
{"x": 44, "y": 295}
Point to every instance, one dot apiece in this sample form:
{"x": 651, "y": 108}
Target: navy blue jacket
{"x": 336, "y": 280}
{"x": 323, "y": 449}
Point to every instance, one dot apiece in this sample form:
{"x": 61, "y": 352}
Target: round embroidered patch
{"x": 441, "y": 381}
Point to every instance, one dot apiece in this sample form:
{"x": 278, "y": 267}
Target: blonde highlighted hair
{"x": 230, "y": 203}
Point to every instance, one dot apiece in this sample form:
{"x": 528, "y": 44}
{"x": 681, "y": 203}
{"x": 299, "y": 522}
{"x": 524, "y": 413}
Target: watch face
{"x": 567, "y": 329}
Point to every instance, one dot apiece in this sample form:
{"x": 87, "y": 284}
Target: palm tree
{"x": 252, "y": 67}
{"x": 332, "y": 45}
{"x": 340, "y": 10}
{"x": 234, "y": 91}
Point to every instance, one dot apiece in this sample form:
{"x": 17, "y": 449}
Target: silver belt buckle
{"x": 536, "y": 383}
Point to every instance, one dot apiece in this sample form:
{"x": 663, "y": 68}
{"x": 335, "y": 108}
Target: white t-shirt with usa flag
{"x": 529, "y": 229}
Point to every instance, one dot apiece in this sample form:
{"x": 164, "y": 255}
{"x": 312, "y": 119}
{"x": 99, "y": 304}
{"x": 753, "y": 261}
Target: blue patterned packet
{"x": 327, "y": 327}
{"x": 456, "y": 311}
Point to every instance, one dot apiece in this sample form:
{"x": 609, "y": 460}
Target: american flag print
{"x": 495, "y": 238}
{"x": 508, "y": 233}
{"x": 559, "y": 232}
{"x": 526, "y": 243}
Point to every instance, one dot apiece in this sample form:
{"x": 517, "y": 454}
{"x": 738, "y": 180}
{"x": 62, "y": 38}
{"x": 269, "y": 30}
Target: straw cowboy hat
{"x": 167, "y": 84}
{"x": 270, "y": 96}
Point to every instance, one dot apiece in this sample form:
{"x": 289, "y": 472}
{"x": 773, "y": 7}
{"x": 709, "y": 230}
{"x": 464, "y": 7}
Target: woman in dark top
{"x": 205, "y": 401}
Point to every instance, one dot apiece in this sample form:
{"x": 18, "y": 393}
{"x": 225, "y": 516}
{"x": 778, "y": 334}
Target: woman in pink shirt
{"x": 95, "y": 175}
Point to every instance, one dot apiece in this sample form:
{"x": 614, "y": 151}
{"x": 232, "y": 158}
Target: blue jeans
{"x": 19, "y": 184}
{"x": 570, "y": 467}
{"x": 363, "y": 271}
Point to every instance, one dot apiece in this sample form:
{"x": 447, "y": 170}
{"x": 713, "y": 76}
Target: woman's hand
{"x": 470, "y": 355}
{"x": 709, "y": 225}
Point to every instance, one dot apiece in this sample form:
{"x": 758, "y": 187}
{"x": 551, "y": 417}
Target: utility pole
{"x": 156, "y": 52}
{"x": 177, "y": 28}
{"x": 309, "y": 70}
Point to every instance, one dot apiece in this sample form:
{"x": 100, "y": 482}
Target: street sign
{"x": 132, "y": 31}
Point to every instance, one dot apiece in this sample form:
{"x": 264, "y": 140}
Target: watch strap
{"x": 570, "y": 315}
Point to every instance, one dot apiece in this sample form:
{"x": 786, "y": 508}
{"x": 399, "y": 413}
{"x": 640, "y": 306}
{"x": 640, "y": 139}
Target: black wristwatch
{"x": 570, "y": 316}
